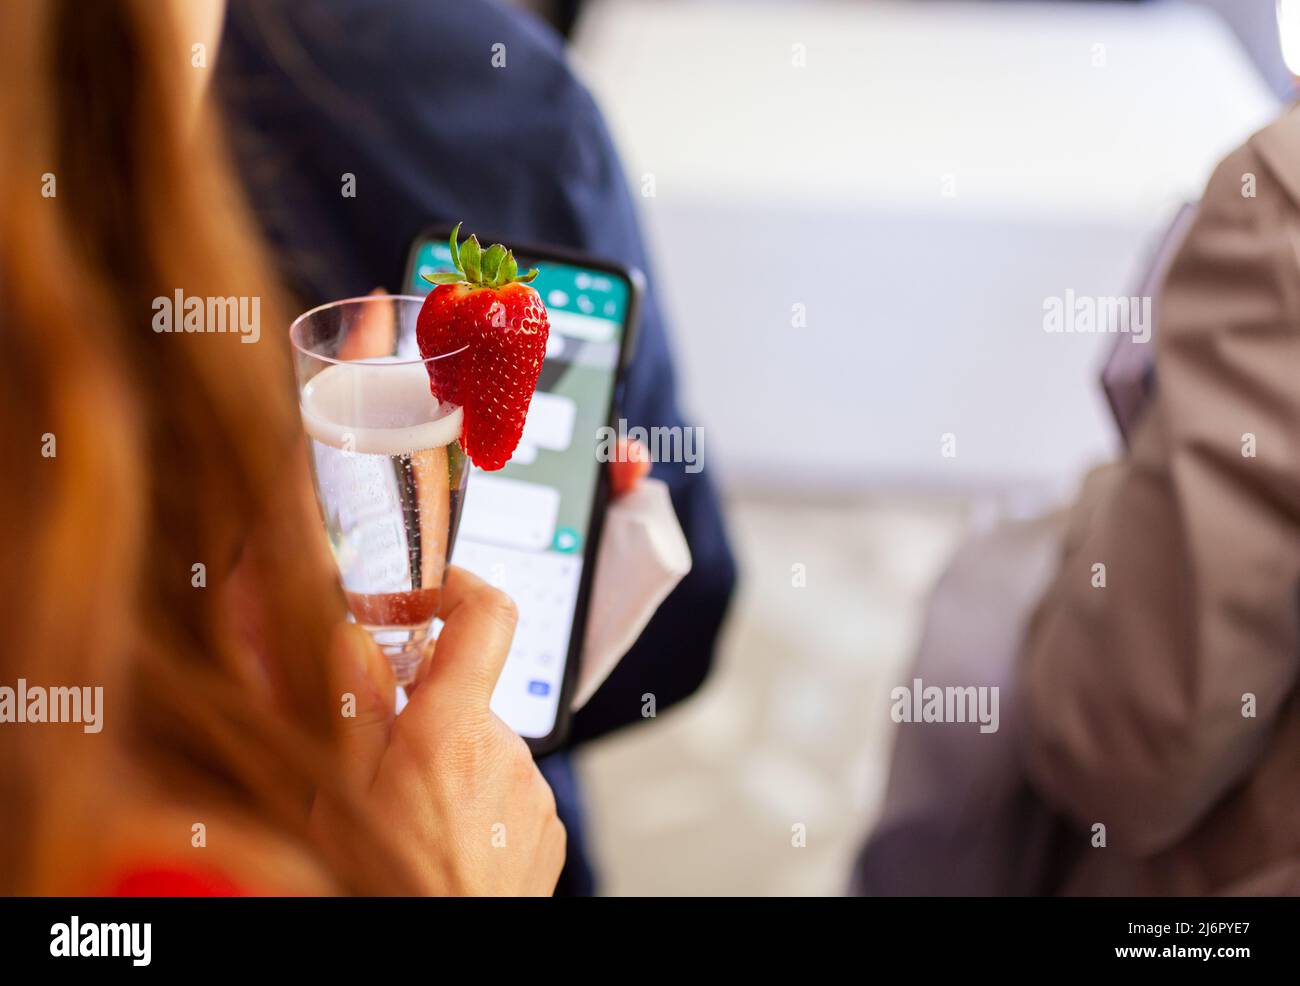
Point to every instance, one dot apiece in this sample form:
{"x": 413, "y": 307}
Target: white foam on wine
{"x": 378, "y": 409}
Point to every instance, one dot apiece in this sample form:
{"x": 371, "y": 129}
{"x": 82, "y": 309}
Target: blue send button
{"x": 539, "y": 688}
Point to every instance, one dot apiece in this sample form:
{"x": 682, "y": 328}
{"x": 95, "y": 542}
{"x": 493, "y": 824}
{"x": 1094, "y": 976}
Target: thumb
{"x": 478, "y": 626}
{"x": 373, "y": 334}
{"x": 366, "y": 693}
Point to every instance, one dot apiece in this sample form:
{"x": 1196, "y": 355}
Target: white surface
{"x": 824, "y": 186}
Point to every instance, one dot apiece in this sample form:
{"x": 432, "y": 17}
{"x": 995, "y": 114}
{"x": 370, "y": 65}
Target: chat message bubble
{"x": 549, "y": 424}
{"x": 577, "y": 326}
{"x": 509, "y": 512}
{"x": 524, "y": 455}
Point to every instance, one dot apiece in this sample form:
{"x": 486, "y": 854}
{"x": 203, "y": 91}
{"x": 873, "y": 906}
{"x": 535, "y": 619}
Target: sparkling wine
{"x": 390, "y": 477}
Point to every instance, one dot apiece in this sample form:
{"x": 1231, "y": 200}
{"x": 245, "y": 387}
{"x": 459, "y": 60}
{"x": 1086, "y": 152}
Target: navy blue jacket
{"x": 404, "y": 97}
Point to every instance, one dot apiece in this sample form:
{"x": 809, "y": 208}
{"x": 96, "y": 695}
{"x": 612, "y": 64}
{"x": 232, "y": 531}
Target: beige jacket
{"x": 1139, "y": 693}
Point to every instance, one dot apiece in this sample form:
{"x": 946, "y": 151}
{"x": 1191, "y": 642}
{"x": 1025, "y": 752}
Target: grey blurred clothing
{"x": 960, "y": 816}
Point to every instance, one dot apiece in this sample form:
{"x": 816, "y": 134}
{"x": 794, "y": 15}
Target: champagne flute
{"x": 387, "y": 463}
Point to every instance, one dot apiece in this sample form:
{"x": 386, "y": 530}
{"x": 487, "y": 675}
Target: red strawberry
{"x": 489, "y": 307}
{"x": 439, "y": 332}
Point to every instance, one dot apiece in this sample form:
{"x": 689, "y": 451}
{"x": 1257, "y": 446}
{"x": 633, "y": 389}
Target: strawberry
{"x": 487, "y": 310}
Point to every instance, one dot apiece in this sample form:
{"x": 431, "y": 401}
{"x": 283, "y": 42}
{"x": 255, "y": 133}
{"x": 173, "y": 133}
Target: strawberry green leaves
{"x": 455, "y": 250}
{"x": 470, "y": 254}
{"x": 509, "y": 270}
{"x": 494, "y": 267}
{"x": 492, "y": 258}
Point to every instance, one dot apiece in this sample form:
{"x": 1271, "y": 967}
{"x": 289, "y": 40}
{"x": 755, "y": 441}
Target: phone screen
{"x": 525, "y": 527}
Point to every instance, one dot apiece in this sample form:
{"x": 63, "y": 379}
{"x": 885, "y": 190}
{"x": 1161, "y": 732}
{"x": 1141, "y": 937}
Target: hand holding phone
{"x": 533, "y": 527}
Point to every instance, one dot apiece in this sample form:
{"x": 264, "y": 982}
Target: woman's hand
{"x": 451, "y": 783}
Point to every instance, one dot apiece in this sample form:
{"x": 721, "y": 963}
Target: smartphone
{"x": 533, "y": 527}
